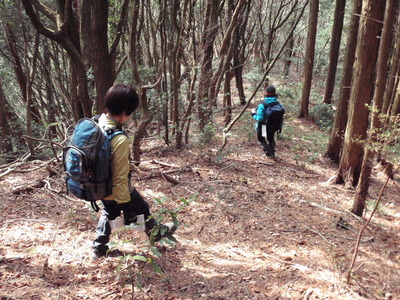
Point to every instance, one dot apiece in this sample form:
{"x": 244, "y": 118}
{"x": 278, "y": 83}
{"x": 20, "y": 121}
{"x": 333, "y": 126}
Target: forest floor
{"x": 255, "y": 228}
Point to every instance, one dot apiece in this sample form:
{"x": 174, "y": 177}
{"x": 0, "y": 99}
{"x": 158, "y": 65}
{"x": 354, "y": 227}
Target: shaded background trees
{"x": 192, "y": 59}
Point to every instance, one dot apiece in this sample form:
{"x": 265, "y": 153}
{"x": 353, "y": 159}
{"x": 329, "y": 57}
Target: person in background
{"x": 269, "y": 113}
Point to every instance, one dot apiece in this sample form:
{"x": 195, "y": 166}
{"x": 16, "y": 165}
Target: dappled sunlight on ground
{"x": 256, "y": 229}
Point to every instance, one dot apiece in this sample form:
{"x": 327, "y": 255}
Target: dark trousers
{"x": 136, "y": 206}
{"x": 268, "y": 147}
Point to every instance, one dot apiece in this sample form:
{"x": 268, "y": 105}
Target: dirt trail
{"x": 257, "y": 229}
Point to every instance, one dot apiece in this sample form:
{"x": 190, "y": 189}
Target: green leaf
{"x": 171, "y": 238}
{"x": 175, "y": 221}
{"x": 163, "y": 230}
{"x": 138, "y": 281}
{"x": 169, "y": 242}
{"x": 140, "y": 258}
{"x": 133, "y": 225}
{"x": 156, "y": 252}
{"x": 184, "y": 201}
{"x": 159, "y": 201}
{"x": 112, "y": 245}
{"x": 156, "y": 268}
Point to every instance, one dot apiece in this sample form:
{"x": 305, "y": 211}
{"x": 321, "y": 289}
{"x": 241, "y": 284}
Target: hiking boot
{"x": 96, "y": 254}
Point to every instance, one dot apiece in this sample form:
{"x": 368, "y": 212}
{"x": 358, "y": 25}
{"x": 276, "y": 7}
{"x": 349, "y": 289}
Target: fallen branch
{"x": 321, "y": 235}
{"x": 332, "y": 210}
{"x": 29, "y": 188}
{"x": 362, "y": 230}
{"x": 169, "y": 178}
{"x": 297, "y": 266}
{"x": 165, "y": 164}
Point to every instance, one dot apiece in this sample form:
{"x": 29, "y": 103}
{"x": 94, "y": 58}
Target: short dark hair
{"x": 121, "y": 99}
{"x": 270, "y": 90}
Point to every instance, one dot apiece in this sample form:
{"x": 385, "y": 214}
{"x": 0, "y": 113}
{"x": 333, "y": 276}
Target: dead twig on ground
{"x": 332, "y": 210}
{"x": 363, "y": 227}
{"x": 321, "y": 235}
{"x": 296, "y": 266}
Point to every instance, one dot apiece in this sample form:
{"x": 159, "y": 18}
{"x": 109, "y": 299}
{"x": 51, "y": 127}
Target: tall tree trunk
{"x": 394, "y": 74}
{"x": 19, "y": 70}
{"x": 362, "y": 90}
{"x": 226, "y": 53}
{"x": 335, "y": 144}
{"x": 287, "y": 61}
{"x": 335, "y": 47}
{"x": 227, "y": 98}
{"x": 239, "y": 50}
{"x": 66, "y": 35}
{"x": 382, "y": 67}
{"x": 29, "y": 98}
{"x": 209, "y": 32}
{"x": 5, "y": 126}
{"x": 100, "y": 57}
{"x": 145, "y": 117}
{"x": 309, "y": 58}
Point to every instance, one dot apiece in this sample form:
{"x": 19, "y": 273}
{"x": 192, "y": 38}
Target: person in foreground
{"x": 121, "y": 102}
{"x": 269, "y": 114}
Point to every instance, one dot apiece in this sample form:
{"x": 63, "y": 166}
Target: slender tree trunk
{"x": 362, "y": 90}
{"x": 19, "y": 70}
{"x": 209, "y": 33}
{"x": 288, "y": 56}
{"x": 335, "y": 144}
{"x": 29, "y": 98}
{"x": 394, "y": 73}
{"x": 227, "y": 98}
{"x": 5, "y": 126}
{"x": 100, "y": 57}
{"x": 335, "y": 47}
{"x": 309, "y": 58}
{"x": 396, "y": 103}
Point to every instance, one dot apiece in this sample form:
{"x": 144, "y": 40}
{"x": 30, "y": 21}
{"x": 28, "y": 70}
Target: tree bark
{"x": 5, "y": 126}
{"x": 209, "y": 32}
{"x": 66, "y": 36}
{"x": 362, "y": 90}
{"x": 335, "y": 144}
{"x": 309, "y": 58}
{"x": 334, "y": 51}
{"x": 19, "y": 70}
{"x": 381, "y": 78}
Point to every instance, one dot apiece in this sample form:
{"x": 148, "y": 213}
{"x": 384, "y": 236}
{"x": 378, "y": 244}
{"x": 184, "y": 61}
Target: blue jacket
{"x": 260, "y": 113}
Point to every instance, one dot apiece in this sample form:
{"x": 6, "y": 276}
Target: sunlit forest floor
{"x": 256, "y": 228}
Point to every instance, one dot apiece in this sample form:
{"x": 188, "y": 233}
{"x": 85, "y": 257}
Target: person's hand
{"x": 253, "y": 111}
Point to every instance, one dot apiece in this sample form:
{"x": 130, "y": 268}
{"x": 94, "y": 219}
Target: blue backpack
{"x": 87, "y": 159}
{"x": 274, "y": 115}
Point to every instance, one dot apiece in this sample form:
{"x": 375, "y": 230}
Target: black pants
{"x": 268, "y": 147}
{"x": 112, "y": 210}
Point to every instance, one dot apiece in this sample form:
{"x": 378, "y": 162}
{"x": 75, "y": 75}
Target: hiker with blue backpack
{"x": 269, "y": 116}
{"x": 97, "y": 163}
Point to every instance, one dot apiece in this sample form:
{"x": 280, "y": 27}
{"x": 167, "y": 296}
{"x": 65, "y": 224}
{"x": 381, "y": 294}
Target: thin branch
{"x": 362, "y": 230}
{"x": 43, "y": 140}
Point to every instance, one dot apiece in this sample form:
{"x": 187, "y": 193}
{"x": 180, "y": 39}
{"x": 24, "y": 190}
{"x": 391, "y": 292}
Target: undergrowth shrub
{"x": 207, "y": 136}
{"x": 323, "y": 116}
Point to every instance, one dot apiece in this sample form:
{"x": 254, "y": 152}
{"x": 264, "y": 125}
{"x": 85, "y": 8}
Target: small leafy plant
{"x": 132, "y": 267}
